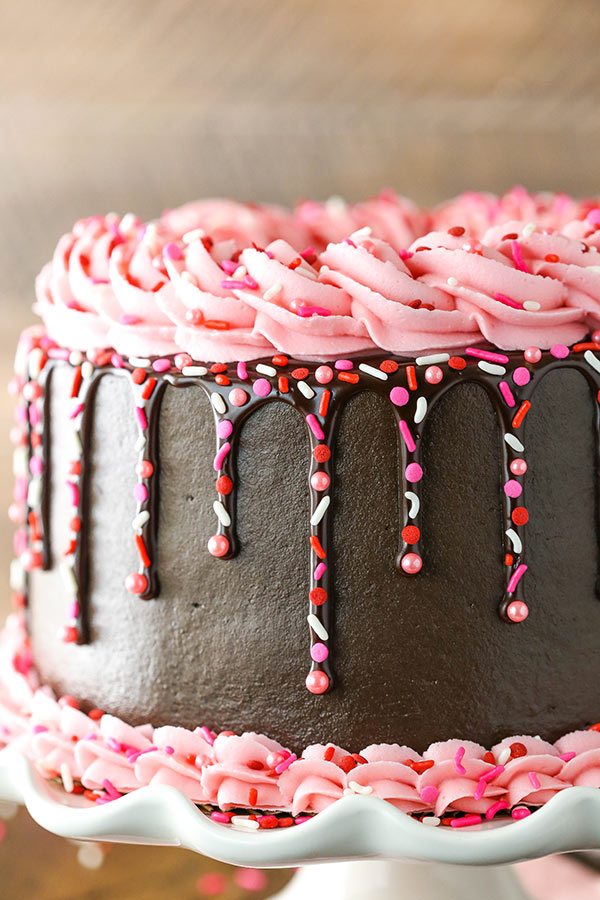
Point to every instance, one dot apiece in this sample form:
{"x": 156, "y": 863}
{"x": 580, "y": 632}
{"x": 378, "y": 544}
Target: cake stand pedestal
{"x": 352, "y": 840}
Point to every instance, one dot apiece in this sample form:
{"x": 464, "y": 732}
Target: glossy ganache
{"x": 435, "y": 518}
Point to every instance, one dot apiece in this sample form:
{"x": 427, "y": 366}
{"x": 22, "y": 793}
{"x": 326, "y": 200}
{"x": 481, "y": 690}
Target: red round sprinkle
{"x": 191, "y": 759}
{"x": 322, "y": 453}
{"x": 509, "y": 559}
{"x": 67, "y": 700}
{"x": 224, "y": 485}
{"x": 388, "y": 366}
{"x": 595, "y": 727}
{"x": 145, "y": 468}
{"x": 139, "y": 376}
{"x": 255, "y": 764}
{"x": 347, "y": 763}
{"x": 218, "y": 367}
{"x": 280, "y": 360}
{"x": 222, "y": 379}
{"x": 299, "y": 374}
{"x": 136, "y": 583}
{"x": 518, "y": 749}
{"x": 96, "y": 714}
{"x": 457, "y": 362}
{"x": 456, "y": 230}
{"x": 551, "y": 257}
{"x": 318, "y": 596}
{"x": 75, "y": 524}
{"x": 489, "y": 757}
{"x": 520, "y": 516}
{"x": 410, "y": 534}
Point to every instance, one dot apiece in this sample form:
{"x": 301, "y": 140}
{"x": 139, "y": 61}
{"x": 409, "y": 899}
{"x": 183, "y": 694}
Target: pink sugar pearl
{"x": 411, "y": 563}
{"x": 399, "y": 396}
{"x": 218, "y": 545}
{"x": 521, "y": 376}
{"x": 262, "y": 387}
{"x": 596, "y": 337}
{"x": 533, "y": 354}
{"x": 433, "y": 374}
{"x": 320, "y": 481}
{"x": 317, "y": 682}
{"x": 513, "y": 489}
{"x": 414, "y": 472}
{"x": 238, "y": 396}
{"x": 319, "y": 652}
{"x": 518, "y": 466}
{"x": 182, "y": 360}
{"x": 324, "y": 374}
{"x": 136, "y": 583}
{"x": 517, "y": 611}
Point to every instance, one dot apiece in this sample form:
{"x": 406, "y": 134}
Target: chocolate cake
{"x": 371, "y": 524}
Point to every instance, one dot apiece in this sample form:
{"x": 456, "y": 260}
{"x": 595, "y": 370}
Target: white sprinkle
{"x": 240, "y": 273}
{"x": 139, "y": 362}
{"x": 262, "y": 369}
{"x": 431, "y": 820}
{"x": 87, "y": 370}
{"x": 371, "y": 370}
{"x": 90, "y": 856}
{"x": 35, "y": 362}
{"x": 320, "y": 510}
{"x": 323, "y": 270}
{"x": 420, "y": 410}
{"x": 127, "y": 223}
{"x": 150, "y": 233}
{"x": 592, "y": 268}
{"x": 76, "y": 357}
{"x": 452, "y": 281}
{"x": 306, "y": 390}
{"x": 504, "y": 756}
{"x": 357, "y": 788}
{"x": 20, "y": 461}
{"x": 245, "y": 822}
{"x": 68, "y": 577}
{"x": 140, "y": 443}
{"x": 432, "y": 359}
{"x": 194, "y": 235}
{"x": 140, "y": 520}
{"x": 191, "y": 371}
{"x": 317, "y": 626}
{"x": 514, "y": 442}
{"x": 185, "y": 275}
{"x": 415, "y": 504}
{"x": 17, "y": 575}
{"x": 490, "y": 368}
{"x": 529, "y": 229}
{"x": 336, "y": 205}
{"x": 218, "y": 403}
{"x": 34, "y": 492}
{"x": 592, "y": 360}
{"x": 272, "y": 292}
{"x": 76, "y": 440}
{"x": 222, "y": 514}
{"x": 308, "y": 273}
{"x": 361, "y": 233}
{"x": 531, "y": 305}
{"x": 515, "y": 540}
{"x": 67, "y": 778}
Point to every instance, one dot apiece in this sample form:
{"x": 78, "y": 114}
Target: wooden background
{"x": 134, "y": 104}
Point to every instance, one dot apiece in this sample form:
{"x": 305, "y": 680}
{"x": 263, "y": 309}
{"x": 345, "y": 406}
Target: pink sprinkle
{"x": 224, "y": 428}
{"x": 567, "y": 756}
{"x": 308, "y": 253}
{"x": 513, "y": 489}
{"x": 242, "y": 371}
{"x": 110, "y": 789}
{"x": 116, "y": 361}
{"x": 221, "y": 817}
{"x": 230, "y": 284}
{"x": 207, "y": 735}
{"x": 39, "y": 729}
{"x": 518, "y": 574}
{"x": 114, "y": 745}
{"x": 220, "y": 457}
{"x": 535, "y": 781}
{"x": 313, "y": 424}
{"x": 399, "y": 396}
{"x": 251, "y": 879}
{"x": 465, "y": 821}
{"x": 58, "y": 353}
{"x": 262, "y": 387}
{"x": 414, "y": 472}
{"x": 319, "y": 652}
{"x": 129, "y": 319}
{"x": 132, "y": 757}
{"x": 300, "y": 820}
{"x": 407, "y": 436}
{"x": 486, "y": 354}
{"x": 495, "y": 808}
{"x": 73, "y": 610}
{"x": 559, "y": 351}
{"x": 307, "y": 311}
{"x": 250, "y": 282}
{"x": 521, "y": 376}
{"x": 344, "y": 364}
{"x": 141, "y": 417}
{"x": 168, "y": 750}
{"x": 480, "y": 789}
{"x": 172, "y": 250}
{"x": 404, "y": 254}
{"x": 74, "y": 491}
{"x": 593, "y": 217}
{"x": 502, "y": 298}
{"x": 286, "y": 763}
{"x": 507, "y": 393}
{"x": 229, "y": 266}
{"x": 493, "y": 773}
{"x": 161, "y": 365}
{"x": 458, "y": 761}
{"x": 517, "y": 255}
{"x": 520, "y": 813}
{"x": 429, "y": 794}
{"x": 140, "y": 492}
{"x": 348, "y": 241}
{"x": 320, "y": 571}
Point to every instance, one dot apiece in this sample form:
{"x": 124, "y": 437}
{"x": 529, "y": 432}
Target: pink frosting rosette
{"x": 382, "y": 288}
{"x": 313, "y": 783}
{"x": 531, "y": 778}
{"x": 390, "y": 778}
{"x": 295, "y": 311}
{"x": 107, "y": 756}
{"x": 201, "y": 297}
{"x": 244, "y": 765}
{"x": 495, "y": 292}
{"x": 459, "y": 778}
{"x": 177, "y": 760}
{"x": 583, "y": 770}
{"x": 55, "y": 747}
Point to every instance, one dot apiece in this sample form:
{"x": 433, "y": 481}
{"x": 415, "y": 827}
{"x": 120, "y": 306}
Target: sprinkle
{"x": 87, "y": 370}
{"x": 262, "y": 387}
{"x": 307, "y": 311}
{"x": 504, "y": 756}
{"x": 495, "y": 808}
{"x": 68, "y": 577}
{"x": 224, "y": 429}
{"x": 515, "y": 540}
{"x": 458, "y": 761}
{"x": 286, "y": 763}
{"x": 514, "y": 442}
{"x": 415, "y": 504}
{"x": 140, "y": 520}
{"x": 242, "y": 371}
{"x": 399, "y": 396}
{"x": 110, "y": 789}
{"x": 506, "y": 393}
{"x": 143, "y": 552}
{"x": 139, "y": 362}
{"x": 222, "y": 514}
{"x": 452, "y": 281}
{"x": 421, "y": 410}
{"x": 559, "y": 351}
{"x": 411, "y": 378}
{"x": 320, "y": 510}
{"x": 306, "y": 390}
{"x": 465, "y": 821}
{"x": 407, "y": 436}
{"x": 218, "y": 403}
{"x": 529, "y": 229}
{"x": 487, "y": 355}
{"x": 220, "y": 457}
{"x": 521, "y": 413}
{"x": 371, "y": 370}
{"x": 491, "y": 369}
{"x": 566, "y": 757}
{"x": 502, "y": 298}
{"x": 516, "y": 577}
{"x": 283, "y": 384}
{"x": 432, "y": 359}
{"x": 535, "y": 781}
{"x": 191, "y": 371}
{"x": 349, "y": 377}
{"x": 480, "y": 789}
{"x": 272, "y": 292}
{"x": 317, "y": 547}
{"x": 262, "y": 369}
{"x": 231, "y": 284}
{"x": 592, "y": 360}
{"x": 493, "y": 773}
{"x": 521, "y": 812}
{"x": 317, "y": 626}
{"x": 195, "y": 234}
{"x": 517, "y": 255}
{"x": 161, "y": 365}
{"x": 431, "y": 820}
{"x": 245, "y": 822}
{"x": 313, "y": 424}
{"x": 320, "y": 571}
{"x": 207, "y": 735}
{"x": 531, "y": 305}
{"x": 148, "y": 388}
{"x": 67, "y": 778}
{"x": 356, "y": 788}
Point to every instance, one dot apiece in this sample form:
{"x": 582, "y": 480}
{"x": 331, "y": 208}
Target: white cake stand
{"x": 365, "y": 847}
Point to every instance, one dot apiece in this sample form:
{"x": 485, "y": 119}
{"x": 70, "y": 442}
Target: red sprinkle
{"x": 324, "y": 401}
{"x": 329, "y": 753}
{"x": 224, "y": 485}
{"x": 139, "y": 541}
{"x": 347, "y": 763}
{"x": 267, "y": 821}
{"x": 411, "y": 377}
{"x": 489, "y": 757}
{"x": 285, "y": 821}
{"x": 315, "y": 543}
{"x": 350, "y": 377}
{"x": 252, "y": 796}
{"x": 322, "y": 453}
{"x": 520, "y": 515}
{"x": 318, "y": 596}
{"x": 222, "y": 380}
{"x": 457, "y": 362}
{"x": 283, "y": 384}
{"x": 456, "y": 231}
{"x": 148, "y": 388}
{"x": 410, "y": 534}
{"x": 552, "y": 258}
{"x": 218, "y": 367}
{"x": 138, "y": 376}
{"x": 96, "y": 714}
{"x": 521, "y": 413}
{"x": 76, "y": 382}
{"x": 299, "y": 374}
{"x": 509, "y": 559}
{"x": 280, "y": 360}
{"x": 421, "y": 765}
{"x": 518, "y": 749}
{"x": 388, "y": 366}
{"x": 595, "y": 727}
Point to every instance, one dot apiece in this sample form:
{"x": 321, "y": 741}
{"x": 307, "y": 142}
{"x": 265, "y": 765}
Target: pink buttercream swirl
{"x": 254, "y": 771}
{"x": 225, "y": 281}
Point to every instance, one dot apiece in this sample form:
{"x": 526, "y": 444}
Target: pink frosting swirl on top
{"x": 532, "y": 778}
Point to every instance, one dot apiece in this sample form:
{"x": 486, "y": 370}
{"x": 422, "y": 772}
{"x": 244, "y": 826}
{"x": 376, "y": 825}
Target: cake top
{"x": 224, "y": 281}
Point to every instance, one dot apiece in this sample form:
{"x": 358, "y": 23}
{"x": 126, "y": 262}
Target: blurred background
{"x": 138, "y": 105}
